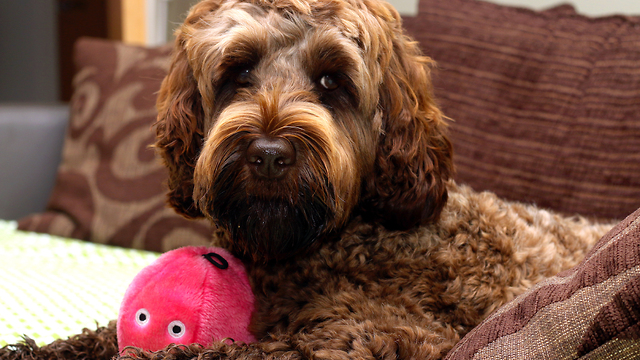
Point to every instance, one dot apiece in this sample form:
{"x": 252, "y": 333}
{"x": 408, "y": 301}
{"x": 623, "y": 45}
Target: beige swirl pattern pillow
{"x": 110, "y": 184}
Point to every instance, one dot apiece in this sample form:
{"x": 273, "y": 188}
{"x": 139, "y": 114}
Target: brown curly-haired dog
{"x": 281, "y": 119}
{"x": 307, "y": 132}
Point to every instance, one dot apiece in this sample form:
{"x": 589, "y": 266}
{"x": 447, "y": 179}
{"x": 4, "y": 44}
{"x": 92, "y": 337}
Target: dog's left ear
{"x": 414, "y": 156}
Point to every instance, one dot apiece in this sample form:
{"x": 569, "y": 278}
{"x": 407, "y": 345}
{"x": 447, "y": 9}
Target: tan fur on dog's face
{"x": 335, "y": 82}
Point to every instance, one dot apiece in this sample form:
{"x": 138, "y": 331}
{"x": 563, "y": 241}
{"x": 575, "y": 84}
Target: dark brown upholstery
{"x": 546, "y": 105}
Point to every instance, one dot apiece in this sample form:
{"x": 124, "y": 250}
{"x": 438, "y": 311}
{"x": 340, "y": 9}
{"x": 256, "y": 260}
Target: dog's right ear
{"x": 179, "y": 131}
{"x": 179, "y": 126}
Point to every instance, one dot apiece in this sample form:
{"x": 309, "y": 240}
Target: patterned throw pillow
{"x": 545, "y": 105}
{"x": 110, "y": 184}
{"x": 589, "y": 312}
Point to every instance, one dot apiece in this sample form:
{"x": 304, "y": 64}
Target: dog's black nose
{"x": 270, "y": 157}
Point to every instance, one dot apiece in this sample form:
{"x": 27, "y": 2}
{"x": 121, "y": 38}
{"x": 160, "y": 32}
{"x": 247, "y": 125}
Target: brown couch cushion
{"x": 589, "y": 312}
{"x": 109, "y": 187}
{"x": 546, "y": 105}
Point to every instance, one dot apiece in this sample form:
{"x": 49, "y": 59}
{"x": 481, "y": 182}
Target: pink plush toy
{"x": 188, "y": 295}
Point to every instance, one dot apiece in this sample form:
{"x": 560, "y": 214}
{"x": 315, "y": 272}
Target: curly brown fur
{"x": 357, "y": 244}
{"x": 381, "y": 294}
{"x": 95, "y": 345}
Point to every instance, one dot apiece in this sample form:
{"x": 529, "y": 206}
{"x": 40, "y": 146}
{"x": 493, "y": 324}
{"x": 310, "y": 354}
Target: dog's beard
{"x": 265, "y": 228}
{"x": 271, "y": 230}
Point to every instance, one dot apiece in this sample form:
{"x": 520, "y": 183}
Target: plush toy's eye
{"x": 142, "y": 317}
{"x": 176, "y": 329}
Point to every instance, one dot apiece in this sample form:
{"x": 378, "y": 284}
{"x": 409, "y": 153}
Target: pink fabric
{"x": 184, "y": 289}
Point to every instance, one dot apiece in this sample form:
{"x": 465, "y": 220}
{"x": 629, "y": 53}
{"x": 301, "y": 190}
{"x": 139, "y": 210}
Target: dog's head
{"x": 280, "y": 119}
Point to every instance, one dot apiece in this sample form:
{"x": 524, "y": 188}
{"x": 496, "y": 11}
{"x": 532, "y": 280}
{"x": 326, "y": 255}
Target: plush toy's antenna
{"x": 223, "y": 264}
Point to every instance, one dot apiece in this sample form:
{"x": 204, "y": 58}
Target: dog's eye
{"x": 328, "y": 82}
{"x": 244, "y": 77}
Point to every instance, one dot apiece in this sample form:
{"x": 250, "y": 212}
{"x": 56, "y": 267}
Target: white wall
{"x": 405, "y": 7}
{"x": 586, "y": 7}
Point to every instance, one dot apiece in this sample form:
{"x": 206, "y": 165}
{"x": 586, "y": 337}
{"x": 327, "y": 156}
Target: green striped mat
{"x": 52, "y": 287}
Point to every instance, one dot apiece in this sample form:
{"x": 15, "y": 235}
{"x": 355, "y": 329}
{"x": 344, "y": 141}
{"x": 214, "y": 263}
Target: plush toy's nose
{"x": 270, "y": 157}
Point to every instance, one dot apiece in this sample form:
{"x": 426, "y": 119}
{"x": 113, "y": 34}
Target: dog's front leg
{"x": 100, "y": 344}
{"x": 346, "y": 326}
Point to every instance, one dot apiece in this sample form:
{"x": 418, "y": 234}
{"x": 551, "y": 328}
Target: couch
{"x": 544, "y": 108}
{"x": 29, "y": 171}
